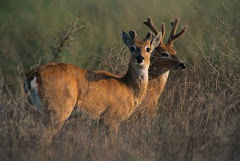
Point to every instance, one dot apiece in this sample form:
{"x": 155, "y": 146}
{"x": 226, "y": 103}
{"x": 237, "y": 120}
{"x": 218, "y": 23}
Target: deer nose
{"x": 140, "y": 59}
{"x": 182, "y": 66}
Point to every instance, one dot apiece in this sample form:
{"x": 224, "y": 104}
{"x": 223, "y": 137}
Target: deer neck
{"x": 158, "y": 82}
{"x": 137, "y": 80}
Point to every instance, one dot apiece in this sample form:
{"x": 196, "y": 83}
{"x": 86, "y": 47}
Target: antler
{"x": 150, "y": 24}
{"x": 133, "y": 34}
{"x": 173, "y": 36}
{"x": 148, "y": 37}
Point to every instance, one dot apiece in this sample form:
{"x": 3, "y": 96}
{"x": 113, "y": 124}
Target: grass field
{"x": 198, "y": 113}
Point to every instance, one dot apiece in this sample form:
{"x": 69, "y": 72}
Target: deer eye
{"x": 148, "y": 49}
{"x": 132, "y": 49}
{"x": 165, "y": 55}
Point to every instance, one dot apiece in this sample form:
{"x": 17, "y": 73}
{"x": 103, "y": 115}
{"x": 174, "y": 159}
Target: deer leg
{"x": 55, "y": 116}
{"x": 108, "y": 125}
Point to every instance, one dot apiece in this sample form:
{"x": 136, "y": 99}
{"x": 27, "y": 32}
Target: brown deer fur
{"x": 55, "y": 88}
{"x": 164, "y": 58}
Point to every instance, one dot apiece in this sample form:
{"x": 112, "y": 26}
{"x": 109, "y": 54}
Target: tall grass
{"x": 199, "y": 110}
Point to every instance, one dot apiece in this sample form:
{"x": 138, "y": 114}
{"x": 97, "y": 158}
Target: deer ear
{"x": 156, "y": 41}
{"x": 126, "y": 39}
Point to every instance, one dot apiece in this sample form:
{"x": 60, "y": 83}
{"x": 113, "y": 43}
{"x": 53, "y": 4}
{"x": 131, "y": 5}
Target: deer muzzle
{"x": 139, "y": 59}
{"x": 182, "y": 66}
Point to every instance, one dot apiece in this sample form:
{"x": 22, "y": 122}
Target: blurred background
{"x": 199, "y": 111}
{"x": 28, "y": 28}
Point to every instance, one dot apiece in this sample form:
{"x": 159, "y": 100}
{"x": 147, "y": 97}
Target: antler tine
{"x": 175, "y": 26}
{"x": 180, "y": 33}
{"x": 148, "y": 36}
{"x": 150, "y": 24}
{"x": 133, "y": 34}
{"x": 163, "y": 31}
{"x": 173, "y": 36}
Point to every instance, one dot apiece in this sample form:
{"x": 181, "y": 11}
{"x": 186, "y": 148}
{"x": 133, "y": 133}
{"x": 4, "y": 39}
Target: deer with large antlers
{"x": 56, "y": 88}
{"x": 164, "y": 58}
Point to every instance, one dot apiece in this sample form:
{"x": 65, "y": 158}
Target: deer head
{"x": 140, "y": 50}
{"x": 164, "y": 57}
